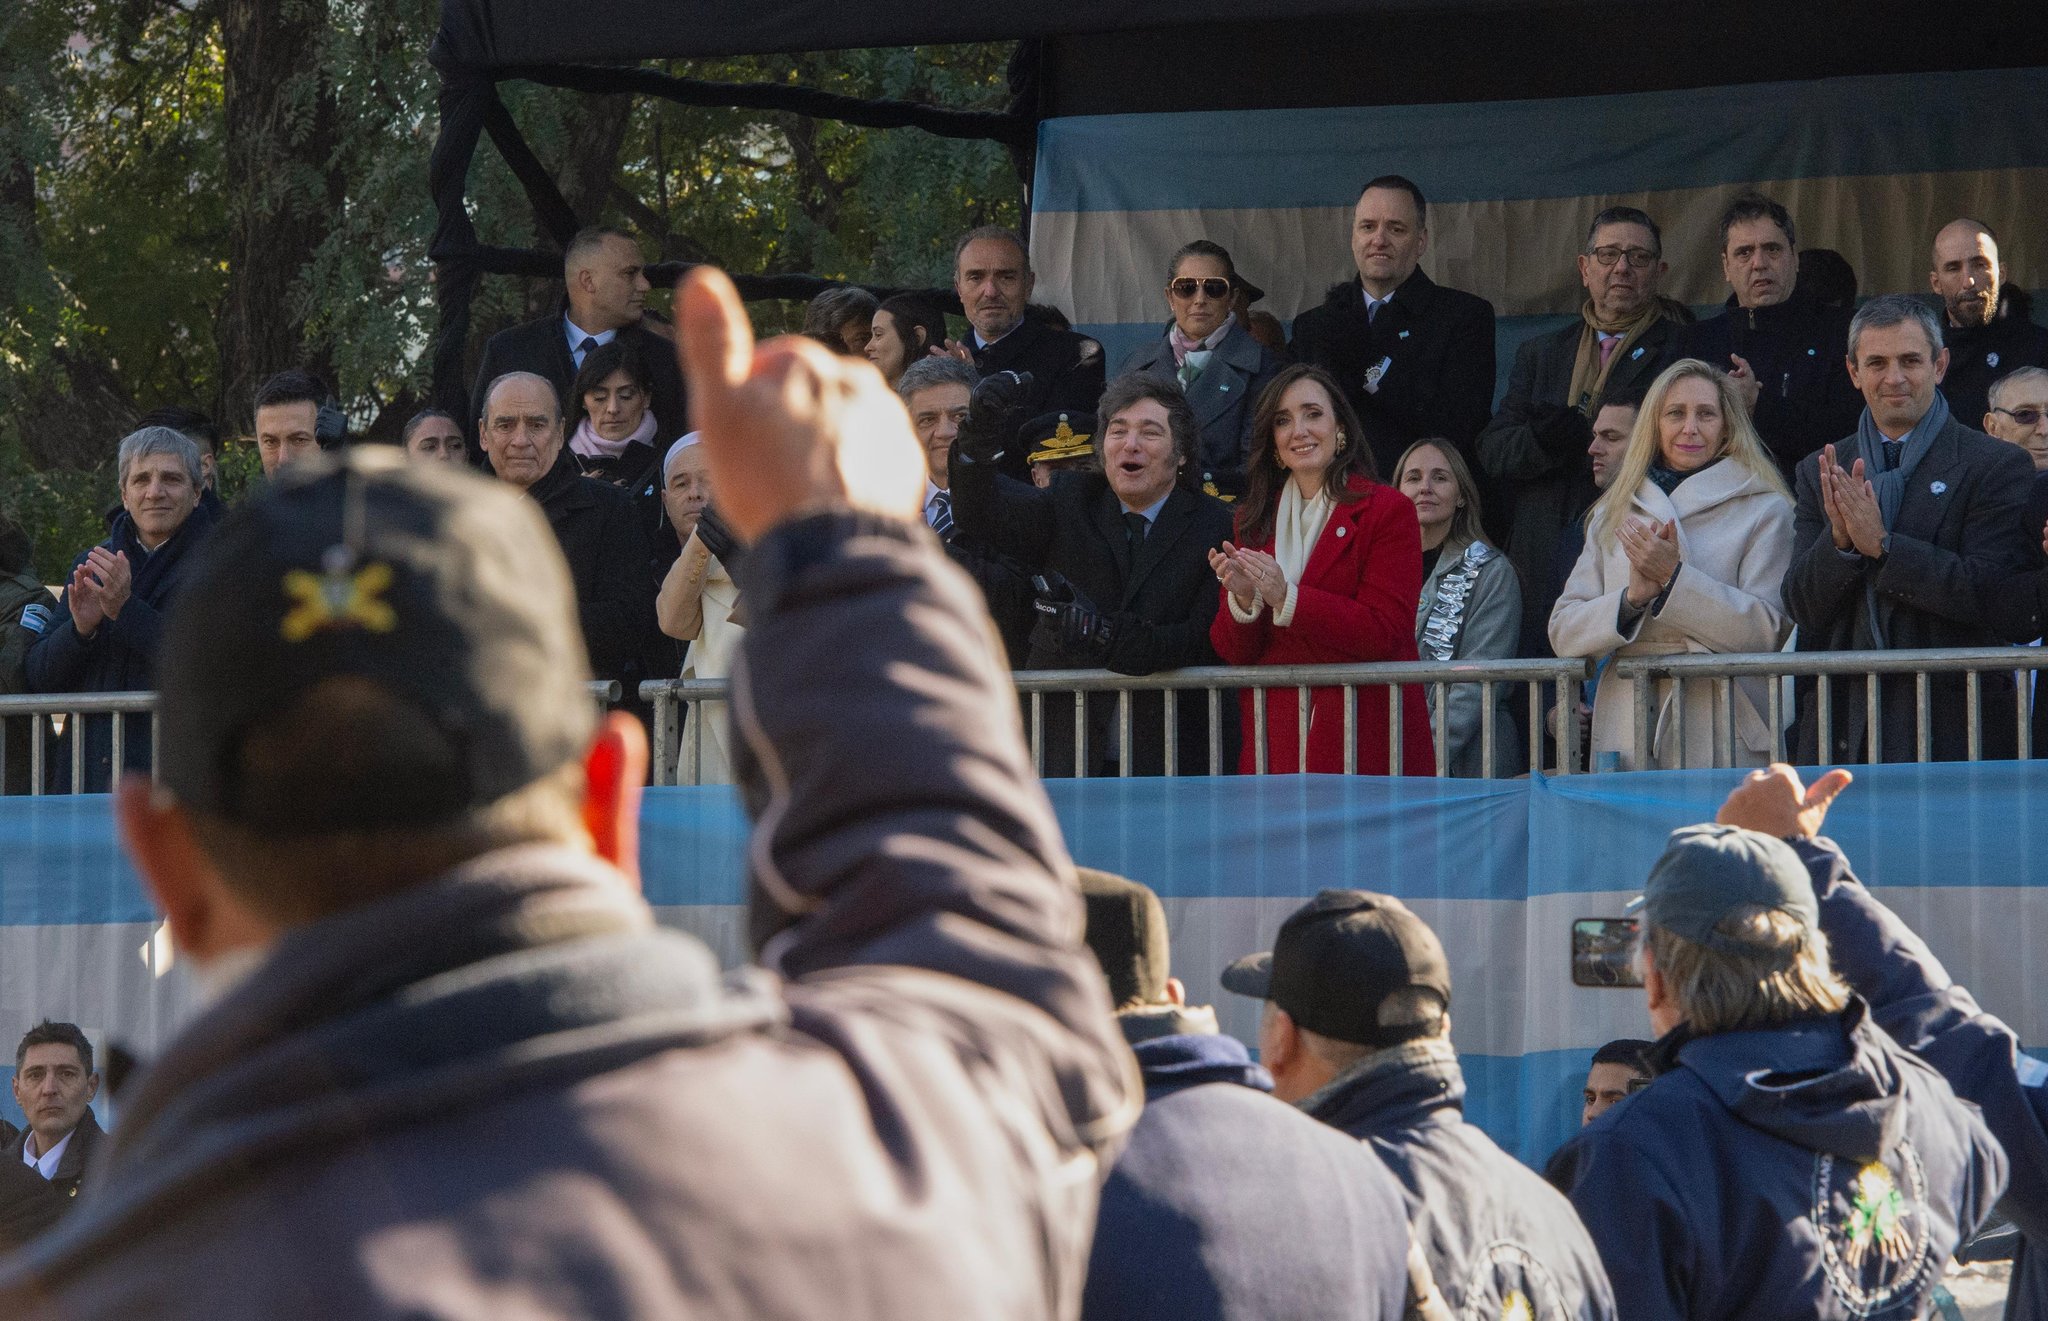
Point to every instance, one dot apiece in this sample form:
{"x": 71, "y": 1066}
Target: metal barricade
{"x": 679, "y": 760}
{"x": 1649, "y": 674}
{"x": 51, "y": 719}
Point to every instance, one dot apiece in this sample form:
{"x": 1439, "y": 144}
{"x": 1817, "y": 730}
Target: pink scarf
{"x": 590, "y": 445}
{"x": 1182, "y": 345}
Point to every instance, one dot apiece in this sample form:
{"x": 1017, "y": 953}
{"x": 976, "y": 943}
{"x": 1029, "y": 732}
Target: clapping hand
{"x": 1854, "y": 517}
{"x": 1249, "y": 576}
{"x": 1652, "y": 550}
{"x": 115, "y": 580}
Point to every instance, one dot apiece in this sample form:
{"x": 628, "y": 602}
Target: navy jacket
{"x": 1490, "y": 1228}
{"x": 1912, "y": 997}
{"x": 1224, "y": 396}
{"x": 505, "y": 1092}
{"x": 1799, "y": 350}
{"x": 1979, "y": 355}
{"x": 1231, "y": 1206}
{"x": 1813, "y": 1170}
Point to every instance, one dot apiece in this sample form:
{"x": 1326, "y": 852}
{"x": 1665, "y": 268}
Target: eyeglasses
{"x": 1638, "y": 258}
{"x": 2026, "y": 417}
{"x": 1186, "y": 286}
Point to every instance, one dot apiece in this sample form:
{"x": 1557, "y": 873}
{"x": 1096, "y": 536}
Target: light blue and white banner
{"x": 1869, "y": 166}
{"x": 1499, "y": 869}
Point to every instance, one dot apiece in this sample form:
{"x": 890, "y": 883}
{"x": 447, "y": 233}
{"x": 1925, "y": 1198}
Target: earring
{"x": 1341, "y": 442}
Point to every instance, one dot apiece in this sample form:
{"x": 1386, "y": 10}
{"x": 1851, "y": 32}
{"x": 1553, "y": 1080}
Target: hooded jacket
{"x": 1231, "y": 1205}
{"x": 1912, "y": 997}
{"x": 1490, "y": 1228}
{"x": 505, "y": 1093}
{"x": 1808, "y": 1170}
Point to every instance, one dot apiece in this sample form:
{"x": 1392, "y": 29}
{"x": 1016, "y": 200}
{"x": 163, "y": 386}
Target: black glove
{"x": 1561, "y": 430}
{"x": 993, "y": 414}
{"x": 1082, "y": 629}
{"x": 720, "y": 541}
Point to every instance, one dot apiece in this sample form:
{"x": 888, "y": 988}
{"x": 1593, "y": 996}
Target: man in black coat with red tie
{"x": 605, "y": 289}
{"x": 1414, "y": 358}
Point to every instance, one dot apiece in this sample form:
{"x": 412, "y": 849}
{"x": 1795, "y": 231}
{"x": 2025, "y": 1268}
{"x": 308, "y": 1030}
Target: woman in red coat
{"x": 1327, "y": 569}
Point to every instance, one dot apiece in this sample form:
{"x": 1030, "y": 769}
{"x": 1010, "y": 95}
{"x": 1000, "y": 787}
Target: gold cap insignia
{"x": 337, "y": 598}
{"x": 1064, "y": 443}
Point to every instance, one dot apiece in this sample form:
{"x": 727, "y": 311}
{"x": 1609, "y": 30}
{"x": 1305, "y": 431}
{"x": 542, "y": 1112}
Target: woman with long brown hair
{"x": 1326, "y": 569}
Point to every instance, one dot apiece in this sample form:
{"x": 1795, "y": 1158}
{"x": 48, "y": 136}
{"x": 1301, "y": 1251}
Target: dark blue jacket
{"x": 1913, "y": 998}
{"x": 1230, "y": 1204}
{"x": 1811, "y": 1170}
{"x": 1488, "y": 1225}
{"x": 120, "y": 656}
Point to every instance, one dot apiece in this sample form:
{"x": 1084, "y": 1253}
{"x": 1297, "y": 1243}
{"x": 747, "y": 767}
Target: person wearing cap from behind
{"x": 1227, "y": 1204}
{"x": 1789, "y": 1158}
{"x": 1059, "y": 442}
{"x": 453, "y": 1068}
{"x": 1356, "y": 1032}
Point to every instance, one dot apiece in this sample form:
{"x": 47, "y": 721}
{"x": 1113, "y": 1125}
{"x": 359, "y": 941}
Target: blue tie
{"x": 942, "y": 516}
{"x": 583, "y": 349}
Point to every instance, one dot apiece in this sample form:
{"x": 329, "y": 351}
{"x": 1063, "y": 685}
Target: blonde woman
{"x": 1471, "y": 607}
{"x": 1686, "y": 552}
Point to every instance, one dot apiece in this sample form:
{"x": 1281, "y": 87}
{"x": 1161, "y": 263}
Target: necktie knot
{"x": 584, "y": 349}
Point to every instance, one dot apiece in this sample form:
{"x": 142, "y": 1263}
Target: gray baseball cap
{"x": 1707, "y": 871}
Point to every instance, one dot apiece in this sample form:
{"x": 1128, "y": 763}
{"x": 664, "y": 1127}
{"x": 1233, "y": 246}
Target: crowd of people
{"x": 448, "y": 1065}
{"x": 1795, "y": 466}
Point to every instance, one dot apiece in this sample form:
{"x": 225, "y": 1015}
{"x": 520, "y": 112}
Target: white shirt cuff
{"x": 1250, "y": 616}
{"x": 1285, "y": 614}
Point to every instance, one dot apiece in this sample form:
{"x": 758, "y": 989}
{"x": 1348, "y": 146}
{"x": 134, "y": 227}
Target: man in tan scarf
{"x": 1534, "y": 450}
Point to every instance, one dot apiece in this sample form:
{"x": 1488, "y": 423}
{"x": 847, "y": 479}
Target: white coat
{"x": 1734, "y": 545}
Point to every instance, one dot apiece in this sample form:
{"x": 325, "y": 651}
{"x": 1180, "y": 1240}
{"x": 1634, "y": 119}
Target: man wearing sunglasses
{"x": 1536, "y": 447}
{"x": 2016, "y": 412}
{"x": 1415, "y": 358}
{"x": 1988, "y": 323}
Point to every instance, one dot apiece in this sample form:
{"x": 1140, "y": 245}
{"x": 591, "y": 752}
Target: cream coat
{"x": 696, "y": 605}
{"x": 1734, "y": 545}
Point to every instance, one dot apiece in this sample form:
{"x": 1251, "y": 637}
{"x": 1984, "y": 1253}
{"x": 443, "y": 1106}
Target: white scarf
{"x": 1296, "y": 530}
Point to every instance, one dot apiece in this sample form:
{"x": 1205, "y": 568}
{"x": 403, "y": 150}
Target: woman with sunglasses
{"x": 1218, "y": 364}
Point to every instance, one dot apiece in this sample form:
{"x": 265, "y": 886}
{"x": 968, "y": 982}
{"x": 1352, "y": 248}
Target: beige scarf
{"x": 1589, "y": 374}
{"x": 1296, "y": 530}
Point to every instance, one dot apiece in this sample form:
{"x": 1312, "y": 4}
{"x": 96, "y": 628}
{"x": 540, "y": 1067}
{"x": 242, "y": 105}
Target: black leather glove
{"x": 993, "y": 415}
{"x": 1561, "y": 430}
{"x": 1082, "y": 629}
{"x": 720, "y": 541}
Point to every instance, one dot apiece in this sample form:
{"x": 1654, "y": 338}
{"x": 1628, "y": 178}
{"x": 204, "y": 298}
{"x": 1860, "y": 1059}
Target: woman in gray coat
{"x": 1215, "y": 360}
{"x": 1471, "y": 606}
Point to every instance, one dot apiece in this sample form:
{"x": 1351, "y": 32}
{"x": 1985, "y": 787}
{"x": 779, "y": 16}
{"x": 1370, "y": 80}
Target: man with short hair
{"x": 455, "y": 1067}
{"x": 936, "y": 392}
{"x": 1227, "y": 1204}
{"x": 1356, "y": 1032}
{"x": 992, "y": 274}
{"x": 595, "y": 523}
{"x": 1122, "y": 559}
{"x": 604, "y": 298}
{"x": 196, "y": 427}
{"x": 1987, "y": 322}
{"x": 2016, "y": 412}
{"x": 1415, "y": 358}
{"x": 54, "y": 1084}
{"x": 296, "y": 417}
{"x": 103, "y": 633}
{"x": 1776, "y": 339}
{"x": 1788, "y": 1159}
{"x": 1617, "y": 1070}
{"x": 1536, "y": 448}
{"x": 1902, "y": 528}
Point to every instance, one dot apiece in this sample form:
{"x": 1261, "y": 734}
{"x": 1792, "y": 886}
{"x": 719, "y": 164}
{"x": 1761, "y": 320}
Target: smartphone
{"x": 1604, "y": 952}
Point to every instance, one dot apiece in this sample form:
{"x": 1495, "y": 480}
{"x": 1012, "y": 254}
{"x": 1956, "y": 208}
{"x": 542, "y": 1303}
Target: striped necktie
{"x": 939, "y": 514}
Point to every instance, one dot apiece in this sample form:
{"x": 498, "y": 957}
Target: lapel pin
{"x": 1224, "y": 387}
{"x": 1812, "y": 353}
{"x": 1402, "y": 335}
{"x": 1340, "y": 529}
{"x": 1637, "y": 354}
{"x": 1991, "y": 360}
{"x": 1938, "y": 487}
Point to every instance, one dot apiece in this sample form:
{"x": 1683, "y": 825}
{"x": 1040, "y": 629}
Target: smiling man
{"x": 102, "y": 637}
{"x": 1415, "y": 358}
{"x": 1123, "y": 558}
{"x": 1987, "y": 322}
{"x": 1903, "y": 529}
{"x": 604, "y": 542}
{"x": 54, "y": 1084}
{"x": 1775, "y": 339}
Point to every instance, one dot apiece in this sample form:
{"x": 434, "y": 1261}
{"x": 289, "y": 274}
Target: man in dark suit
{"x": 1124, "y": 556}
{"x": 1988, "y": 322}
{"x": 992, "y": 274}
{"x": 1414, "y": 358}
{"x": 54, "y": 1084}
{"x": 1775, "y": 338}
{"x": 1902, "y": 529}
{"x": 1536, "y": 447}
{"x": 606, "y": 295}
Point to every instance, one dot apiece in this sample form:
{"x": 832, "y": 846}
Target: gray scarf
{"x": 1888, "y": 481}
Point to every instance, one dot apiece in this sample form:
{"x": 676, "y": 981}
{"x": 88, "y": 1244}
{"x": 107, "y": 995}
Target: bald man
{"x": 1988, "y": 325}
{"x": 604, "y": 298}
